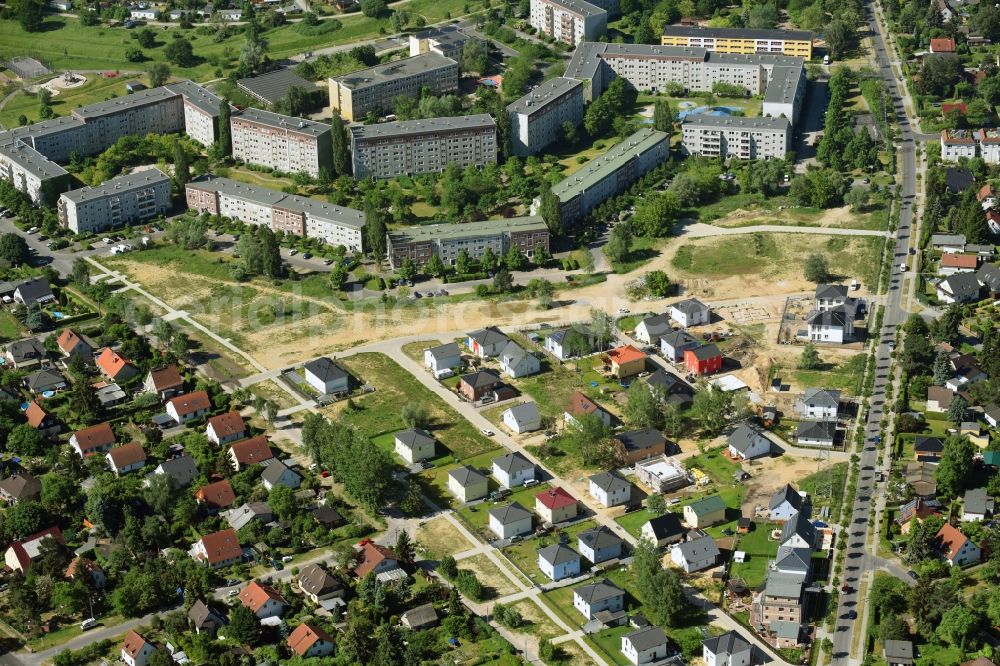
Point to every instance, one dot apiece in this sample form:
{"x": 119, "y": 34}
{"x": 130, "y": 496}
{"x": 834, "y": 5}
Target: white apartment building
{"x": 354, "y": 94}
{"x": 201, "y": 111}
{"x": 31, "y": 172}
{"x": 569, "y": 21}
{"x": 121, "y": 200}
{"x": 280, "y": 142}
{"x": 742, "y": 138}
{"x": 335, "y": 225}
{"x": 785, "y": 89}
{"x": 448, "y": 41}
{"x": 537, "y": 119}
{"x": 153, "y": 111}
{"x": 411, "y": 147}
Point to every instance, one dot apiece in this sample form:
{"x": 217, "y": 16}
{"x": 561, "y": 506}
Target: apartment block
{"x": 957, "y": 143}
{"x": 280, "y": 142}
{"x": 740, "y": 40}
{"x": 353, "y": 95}
{"x": 537, "y": 119}
{"x": 122, "y": 200}
{"x": 611, "y": 173}
{"x": 152, "y": 111}
{"x": 334, "y": 225}
{"x": 448, "y": 41}
{"x": 782, "y": 599}
{"x": 57, "y": 138}
{"x": 446, "y": 241}
{"x": 742, "y": 138}
{"x": 201, "y": 111}
{"x": 569, "y": 21}
{"x": 786, "y": 87}
{"x": 31, "y": 172}
{"x": 411, "y": 147}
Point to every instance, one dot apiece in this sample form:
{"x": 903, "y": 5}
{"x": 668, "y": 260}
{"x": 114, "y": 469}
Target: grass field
{"x": 760, "y": 549}
{"x": 816, "y": 485}
{"x": 435, "y": 481}
{"x": 845, "y": 376}
{"x": 10, "y": 327}
{"x": 96, "y": 89}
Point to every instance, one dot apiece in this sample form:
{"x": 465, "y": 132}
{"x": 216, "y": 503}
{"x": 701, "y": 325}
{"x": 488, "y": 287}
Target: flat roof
{"x": 734, "y": 33}
{"x": 550, "y": 91}
{"x": 423, "y": 126}
{"x": 783, "y": 84}
{"x": 125, "y": 102}
{"x": 579, "y": 7}
{"x": 51, "y": 126}
{"x": 198, "y": 96}
{"x": 451, "y": 35}
{"x": 281, "y": 121}
{"x": 429, "y": 232}
{"x": 762, "y": 122}
{"x": 373, "y": 76}
{"x": 29, "y": 159}
{"x": 119, "y": 184}
{"x": 272, "y": 87}
{"x": 599, "y": 168}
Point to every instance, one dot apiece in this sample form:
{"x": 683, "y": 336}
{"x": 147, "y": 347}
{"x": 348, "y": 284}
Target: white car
{"x": 107, "y": 241}
{"x": 32, "y": 230}
{"x": 902, "y": 268}
{"x": 487, "y": 432}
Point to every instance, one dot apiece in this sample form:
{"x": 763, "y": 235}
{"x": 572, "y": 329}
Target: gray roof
{"x": 668, "y": 382}
{"x": 241, "y": 516}
{"x": 47, "y": 127}
{"x": 26, "y": 350}
{"x": 420, "y": 616}
{"x": 820, "y": 430}
{"x": 445, "y": 350}
{"x": 925, "y": 444}
{"x": 647, "y": 638}
{"x": 667, "y": 525}
{"x": 488, "y": 336}
{"x": 579, "y": 7}
{"x": 481, "y": 379}
{"x": 29, "y": 159}
{"x": 43, "y": 379}
{"x": 786, "y": 494}
{"x": 658, "y": 325}
{"x": 796, "y": 559}
{"x": 785, "y": 84}
{"x": 599, "y": 168}
{"x": 21, "y": 484}
{"x": 699, "y": 548}
{"x": 513, "y": 462}
{"x": 599, "y": 591}
{"x": 372, "y": 76}
{"x": 964, "y": 286}
{"x": 182, "y": 469}
{"x": 609, "y": 482}
{"x": 822, "y": 397}
{"x": 515, "y": 351}
{"x": 729, "y": 643}
{"x": 831, "y": 291}
{"x": 759, "y": 122}
{"x": 280, "y": 121}
{"x": 787, "y": 585}
{"x": 510, "y": 513}
{"x": 989, "y": 275}
{"x": 947, "y": 239}
{"x": 274, "y": 471}
{"x": 466, "y": 476}
{"x": 119, "y": 185}
{"x": 447, "y": 231}
{"x": 414, "y": 437}
{"x": 314, "y": 579}
{"x": 272, "y": 87}
{"x": 34, "y": 289}
{"x": 194, "y": 94}
{"x": 448, "y": 35}
{"x": 903, "y": 649}
{"x": 598, "y": 538}
{"x": 552, "y": 90}
{"x": 201, "y": 615}
{"x": 706, "y": 351}
{"x": 644, "y": 438}
{"x": 977, "y": 501}
{"x": 526, "y": 411}
{"x": 735, "y": 33}
{"x": 798, "y": 525}
{"x": 558, "y": 554}
{"x": 382, "y": 131}
{"x": 838, "y": 316}
{"x": 786, "y": 629}
{"x": 325, "y": 369}
{"x": 119, "y": 104}
{"x": 744, "y": 437}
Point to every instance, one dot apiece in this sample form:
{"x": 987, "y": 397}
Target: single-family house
{"x": 46, "y": 380}
{"x": 690, "y": 312}
{"x": 555, "y": 505}
{"x": 816, "y": 433}
{"x": 522, "y": 418}
{"x": 136, "y": 650}
{"x": 570, "y": 342}
{"x": 250, "y": 512}
{"x": 651, "y": 329}
{"x": 626, "y": 361}
{"x": 420, "y": 617}
{"x": 126, "y": 458}
{"x": 835, "y": 325}
{"x": 609, "y": 489}
{"x": 634, "y": 445}
{"x": 201, "y": 617}
{"x": 664, "y": 530}
{"x": 670, "y": 389}
{"x": 728, "y": 649}
{"x": 375, "y": 559}
{"x": 326, "y": 377}
{"x": 988, "y": 275}
{"x": 662, "y": 474}
{"x": 513, "y": 470}
{"x": 599, "y": 544}
{"x": 263, "y": 600}
{"x": 916, "y": 510}
{"x": 920, "y": 476}
{"x": 215, "y": 496}
{"x": 927, "y": 449}
{"x": 414, "y": 445}
{"x": 673, "y": 344}
{"x": 218, "y": 549}
{"x": 187, "y": 407}
{"x": 798, "y": 532}
{"x": 942, "y": 45}
{"x": 41, "y": 420}
{"x": 705, "y": 512}
{"x": 694, "y": 555}
{"x": 819, "y": 404}
{"x": 645, "y": 646}
{"x": 26, "y": 354}
{"x": 782, "y": 599}
{"x": 515, "y": 361}
{"x": 796, "y": 561}
{"x": 476, "y": 385}
{"x": 327, "y": 517}
{"x": 976, "y": 505}
{"x": 603, "y": 595}
{"x": 182, "y": 470}
{"x": 950, "y": 264}
{"x": 939, "y": 398}
{"x": 785, "y": 503}
{"x": 748, "y": 443}
{"x": 165, "y": 381}
{"x": 829, "y": 296}
{"x": 898, "y": 653}
{"x": 948, "y": 242}
{"x": 114, "y": 366}
{"x": 226, "y": 428}
{"x": 991, "y": 414}
{"x": 987, "y": 196}
{"x": 579, "y": 404}
{"x": 704, "y": 360}
{"x": 95, "y": 439}
{"x": 20, "y": 486}
{"x": 72, "y": 343}
{"x": 20, "y": 554}
{"x": 308, "y": 640}
{"x": 509, "y": 521}
{"x": 252, "y": 451}
{"x": 143, "y": 14}
{"x": 467, "y": 484}
{"x": 443, "y": 357}
{"x": 558, "y": 561}
{"x": 486, "y": 342}
{"x": 276, "y": 473}
{"x": 959, "y": 288}
{"x": 318, "y": 584}
{"x": 35, "y": 290}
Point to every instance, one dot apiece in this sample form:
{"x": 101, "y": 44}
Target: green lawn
{"x": 760, "y": 549}
{"x": 643, "y": 251}
{"x": 96, "y": 89}
{"x": 816, "y": 484}
{"x": 10, "y": 327}
{"x": 435, "y": 481}
{"x": 844, "y": 376}
{"x": 609, "y": 643}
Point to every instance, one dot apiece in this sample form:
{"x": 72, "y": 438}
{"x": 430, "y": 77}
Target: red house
{"x": 704, "y": 360}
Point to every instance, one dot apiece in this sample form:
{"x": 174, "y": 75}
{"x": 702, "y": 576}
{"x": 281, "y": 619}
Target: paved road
{"x": 860, "y": 561}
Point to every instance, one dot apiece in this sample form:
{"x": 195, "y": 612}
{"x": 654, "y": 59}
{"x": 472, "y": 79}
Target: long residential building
{"x": 537, "y": 119}
{"x": 446, "y": 241}
{"x": 983, "y": 143}
{"x": 31, "y": 172}
{"x": 354, "y": 94}
{"x": 411, "y": 147}
{"x": 610, "y": 174}
{"x": 740, "y": 40}
{"x": 122, "y": 200}
{"x": 289, "y": 213}
{"x": 742, "y": 138}
{"x": 569, "y": 21}
{"x": 283, "y": 143}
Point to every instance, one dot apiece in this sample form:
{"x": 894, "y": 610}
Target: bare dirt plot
{"x": 536, "y": 622}
{"x": 438, "y": 537}
{"x": 488, "y": 574}
{"x": 572, "y": 653}
{"x": 270, "y": 390}
{"x": 770, "y": 474}
{"x": 832, "y": 217}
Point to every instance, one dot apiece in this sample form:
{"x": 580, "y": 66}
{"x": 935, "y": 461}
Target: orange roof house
{"x": 580, "y": 404}
{"x": 114, "y": 366}
{"x": 250, "y": 452}
{"x": 555, "y": 505}
{"x": 70, "y": 342}
{"x": 987, "y": 191}
{"x": 375, "y": 558}
{"x": 957, "y": 548}
{"x": 947, "y": 108}
{"x": 136, "y": 650}
{"x": 165, "y": 381}
{"x": 39, "y": 419}
{"x": 216, "y": 495}
{"x": 218, "y": 549}
{"x": 310, "y": 641}
{"x": 127, "y": 458}
{"x": 627, "y": 361}
{"x": 225, "y": 428}
{"x": 189, "y": 406}
{"x": 942, "y": 45}
{"x": 959, "y": 262}
{"x": 95, "y": 439}
{"x": 263, "y": 600}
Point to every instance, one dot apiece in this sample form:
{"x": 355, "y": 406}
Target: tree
{"x": 60, "y": 493}
{"x": 244, "y": 627}
{"x": 663, "y": 116}
{"x": 946, "y": 327}
{"x": 159, "y": 74}
{"x": 373, "y": 8}
{"x": 341, "y": 147}
{"x": 85, "y": 402}
{"x": 656, "y": 213}
{"x": 957, "y": 409}
{"x": 474, "y": 56}
{"x": 550, "y": 208}
{"x": 415, "y": 415}
{"x": 942, "y": 368}
{"x": 182, "y": 170}
{"x": 619, "y": 245}
{"x": 569, "y": 132}
{"x": 24, "y": 440}
{"x": 656, "y": 505}
{"x": 296, "y": 102}
{"x": 959, "y": 626}
{"x": 146, "y": 38}
{"x": 435, "y": 266}
{"x": 463, "y": 262}
{"x": 489, "y": 261}
{"x": 503, "y": 282}
{"x": 448, "y": 567}
{"x": 593, "y": 436}
{"x": 253, "y": 54}
{"x": 576, "y": 343}
{"x": 24, "y": 518}
{"x": 180, "y": 53}
{"x": 840, "y": 37}
{"x": 857, "y": 198}
{"x": 29, "y": 14}
{"x": 658, "y": 284}
{"x": 133, "y": 54}
{"x": 810, "y": 359}
{"x": 80, "y": 273}
{"x": 404, "y": 548}
{"x": 954, "y": 473}
{"x": 715, "y": 410}
{"x": 603, "y": 326}
{"x": 515, "y": 260}
{"x": 13, "y": 250}
{"x": 816, "y": 269}
{"x": 69, "y": 597}
{"x": 659, "y": 588}
{"x": 375, "y": 230}
{"x": 642, "y": 409}
{"x": 224, "y": 144}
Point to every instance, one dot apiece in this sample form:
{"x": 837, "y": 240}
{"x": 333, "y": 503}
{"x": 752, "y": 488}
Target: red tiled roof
{"x": 626, "y": 354}
{"x": 217, "y": 495}
{"x": 166, "y": 378}
{"x": 127, "y": 454}
{"x": 555, "y": 498}
{"x": 95, "y": 437}
{"x": 305, "y": 636}
{"x": 189, "y": 403}
{"x": 371, "y": 556}
{"x": 227, "y": 425}
{"x": 221, "y": 546}
{"x": 255, "y": 595}
{"x": 111, "y": 363}
{"x": 133, "y": 644}
{"x": 943, "y": 45}
{"x": 35, "y": 414}
{"x": 961, "y": 107}
{"x": 253, "y": 450}
{"x": 952, "y": 540}
{"x": 581, "y": 404}
{"x": 986, "y": 191}
{"x": 68, "y": 339}
{"x": 949, "y": 260}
